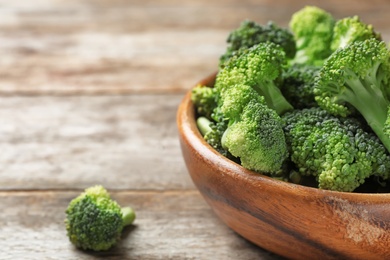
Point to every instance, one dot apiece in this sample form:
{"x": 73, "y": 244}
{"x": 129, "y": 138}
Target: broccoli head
{"x": 250, "y": 33}
{"x": 337, "y": 151}
{"x": 356, "y": 77}
{"x": 259, "y": 67}
{"x": 255, "y": 132}
{"x": 350, "y": 29}
{"x": 313, "y": 31}
{"x": 298, "y": 85}
{"x": 257, "y": 138}
{"x": 252, "y": 132}
{"x": 94, "y": 221}
{"x": 204, "y": 99}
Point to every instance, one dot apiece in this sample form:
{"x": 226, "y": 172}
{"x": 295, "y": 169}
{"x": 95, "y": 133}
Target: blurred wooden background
{"x": 88, "y": 95}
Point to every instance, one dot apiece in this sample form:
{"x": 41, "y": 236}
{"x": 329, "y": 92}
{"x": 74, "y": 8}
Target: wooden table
{"x": 88, "y": 95}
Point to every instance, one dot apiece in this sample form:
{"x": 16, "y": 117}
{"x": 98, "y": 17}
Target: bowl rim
{"x": 189, "y": 133}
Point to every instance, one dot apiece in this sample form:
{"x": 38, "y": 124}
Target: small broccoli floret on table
{"x": 337, "y": 151}
{"x": 350, "y": 29}
{"x": 313, "y": 30}
{"x": 250, "y": 33}
{"x": 298, "y": 85}
{"x": 357, "y": 77}
{"x": 94, "y": 221}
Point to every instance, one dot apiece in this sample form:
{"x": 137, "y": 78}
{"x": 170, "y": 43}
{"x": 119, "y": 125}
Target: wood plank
{"x": 169, "y": 225}
{"x": 123, "y": 142}
{"x": 111, "y": 47}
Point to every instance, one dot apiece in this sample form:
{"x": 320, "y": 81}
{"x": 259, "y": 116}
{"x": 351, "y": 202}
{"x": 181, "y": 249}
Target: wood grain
{"x": 169, "y": 225}
{"x": 117, "y": 47}
{"x": 122, "y": 142}
{"x": 88, "y": 94}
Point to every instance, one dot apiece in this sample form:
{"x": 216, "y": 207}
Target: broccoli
{"x": 250, "y": 33}
{"x": 337, "y": 151}
{"x": 298, "y": 85}
{"x": 313, "y": 31}
{"x": 356, "y": 77}
{"x": 204, "y": 99}
{"x": 246, "y": 122}
{"x": 350, "y": 29}
{"x": 94, "y": 221}
{"x": 259, "y": 67}
{"x": 257, "y": 138}
{"x": 319, "y": 118}
{"x": 212, "y": 132}
{"x": 254, "y": 132}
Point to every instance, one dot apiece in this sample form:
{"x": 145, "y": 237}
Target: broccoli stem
{"x": 274, "y": 97}
{"x": 203, "y": 125}
{"x": 223, "y": 139}
{"x": 371, "y": 104}
{"x": 128, "y": 216}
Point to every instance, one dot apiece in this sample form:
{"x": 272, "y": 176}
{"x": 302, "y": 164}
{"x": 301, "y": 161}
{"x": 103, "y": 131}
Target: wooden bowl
{"x": 291, "y": 220}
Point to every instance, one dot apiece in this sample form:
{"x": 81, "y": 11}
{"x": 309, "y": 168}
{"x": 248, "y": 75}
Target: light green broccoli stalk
{"x": 94, "y": 221}
{"x": 357, "y": 77}
{"x": 313, "y": 29}
{"x": 250, "y": 33}
{"x": 337, "y": 151}
{"x": 350, "y": 29}
{"x": 259, "y": 67}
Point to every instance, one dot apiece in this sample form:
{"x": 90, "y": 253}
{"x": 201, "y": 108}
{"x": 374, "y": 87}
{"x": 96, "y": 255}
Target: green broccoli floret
{"x": 350, "y": 29}
{"x": 357, "y": 76}
{"x": 298, "y": 85}
{"x": 94, "y": 221}
{"x": 257, "y": 139}
{"x": 204, "y": 99}
{"x": 212, "y": 132}
{"x": 252, "y": 132}
{"x": 337, "y": 151}
{"x": 255, "y": 132}
{"x": 259, "y": 67}
{"x": 313, "y": 29}
{"x": 250, "y": 33}
{"x": 245, "y": 123}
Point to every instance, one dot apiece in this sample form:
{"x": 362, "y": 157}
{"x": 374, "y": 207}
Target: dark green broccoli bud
{"x": 337, "y": 151}
{"x": 94, "y": 221}
{"x": 313, "y": 31}
{"x": 298, "y": 85}
{"x": 250, "y": 33}
{"x": 350, "y": 29}
{"x": 204, "y": 99}
{"x": 259, "y": 67}
{"x": 357, "y": 76}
